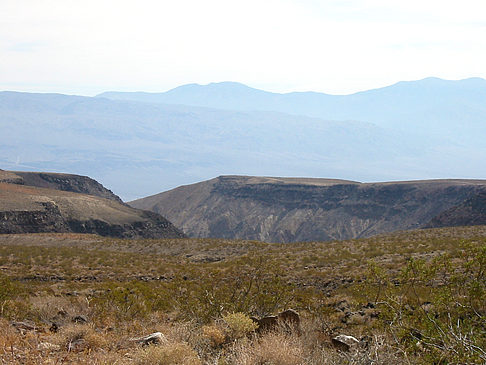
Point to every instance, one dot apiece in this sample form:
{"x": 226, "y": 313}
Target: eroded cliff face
{"x": 29, "y": 209}
{"x": 471, "y": 212}
{"x": 288, "y": 210}
{"x": 57, "y": 181}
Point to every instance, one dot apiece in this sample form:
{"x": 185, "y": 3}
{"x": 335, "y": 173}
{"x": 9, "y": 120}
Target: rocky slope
{"x": 471, "y": 212}
{"x": 291, "y": 209}
{"x": 28, "y": 209}
{"x": 57, "y": 181}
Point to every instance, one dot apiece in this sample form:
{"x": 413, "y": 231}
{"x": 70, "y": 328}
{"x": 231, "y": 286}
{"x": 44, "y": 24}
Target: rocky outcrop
{"x": 27, "y": 209}
{"x": 64, "y": 182}
{"x": 10, "y": 177}
{"x": 471, "y": 212}
{"x": 292, "y": 209}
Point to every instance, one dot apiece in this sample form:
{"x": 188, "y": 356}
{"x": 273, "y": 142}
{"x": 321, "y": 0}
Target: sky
{"x": 337, "y": 47}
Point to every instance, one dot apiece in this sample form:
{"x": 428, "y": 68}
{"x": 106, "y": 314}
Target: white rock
{"x": 153, "y": 338}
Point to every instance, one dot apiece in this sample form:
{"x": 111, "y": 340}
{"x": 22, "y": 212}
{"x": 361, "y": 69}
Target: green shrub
{"x": 239, "y": 325}
{"x": 8, "y": 291}
{"x": 439, "y": 304}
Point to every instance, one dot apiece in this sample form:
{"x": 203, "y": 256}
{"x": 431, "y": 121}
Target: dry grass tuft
{"x": 171, "y": 354}
{"x": 75, "y": 337}
{"x": 271, "y": 349}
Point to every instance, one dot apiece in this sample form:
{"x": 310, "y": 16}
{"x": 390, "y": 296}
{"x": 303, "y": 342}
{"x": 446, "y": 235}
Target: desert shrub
{"x": 171, "y": 354}
{"x": 8, "y": 335}
{"x": 129, "y": 300}
{"x": 12, "y": 301}
{"x": 239, "y": 324}
{"x": 436, "y": 309}
{"x": 248, "y": 285}
{"x": 48, "y": 308}
{"x": 214, "y": 335}
{"x": 272, "y": 349}
{"x": 7, "y": 290}
{"x": 85, "y": 334}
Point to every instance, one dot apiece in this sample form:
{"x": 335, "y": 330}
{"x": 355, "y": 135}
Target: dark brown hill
{"x": 471, "y": 212}
{"x": 28, "y": 209}
{"x": 57, "y": 181}
{"x": 292, "y": 209}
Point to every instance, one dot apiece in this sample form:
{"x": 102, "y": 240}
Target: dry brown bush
{"x": 171, "y": 354}
{"x": 275, "y": 348}
{"x": 214, "y": 335}
{"x": 80, "y": 337}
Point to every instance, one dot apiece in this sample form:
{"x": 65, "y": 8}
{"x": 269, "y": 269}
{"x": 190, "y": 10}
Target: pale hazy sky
{"x": 89, "y": 46}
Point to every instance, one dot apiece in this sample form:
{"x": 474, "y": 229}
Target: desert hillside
{"x": 292, "y": 209}
{"x": 30, "y": 209}
{"x": 58, "y": 181}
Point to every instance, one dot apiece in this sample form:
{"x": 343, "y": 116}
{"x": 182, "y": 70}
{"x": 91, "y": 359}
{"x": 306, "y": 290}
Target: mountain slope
{"x": 288, "y": 210}
{"x": 29, "y": 209}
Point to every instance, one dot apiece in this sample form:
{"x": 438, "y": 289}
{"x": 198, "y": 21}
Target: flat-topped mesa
{"x": 280, "y": 209}
{"x": 249, "y": 180}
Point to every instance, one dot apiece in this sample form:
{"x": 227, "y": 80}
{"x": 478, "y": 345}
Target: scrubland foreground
{"x": 414, "y": 297}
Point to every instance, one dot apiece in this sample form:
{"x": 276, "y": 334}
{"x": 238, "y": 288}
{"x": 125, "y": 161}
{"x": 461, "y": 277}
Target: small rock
{"x": 152, "y": 339}
{"x": 80, "y": 319}
{"x": 25, "y": 326}
{"x": 48, "y": 346}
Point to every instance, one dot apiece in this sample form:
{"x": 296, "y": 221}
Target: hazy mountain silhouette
{"x": 443, "y": 107}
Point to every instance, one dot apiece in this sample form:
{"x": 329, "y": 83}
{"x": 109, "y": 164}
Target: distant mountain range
{"x": 431, "y": 105}
{"x": 424, "y": 129}
{"x": 277, "y": 209}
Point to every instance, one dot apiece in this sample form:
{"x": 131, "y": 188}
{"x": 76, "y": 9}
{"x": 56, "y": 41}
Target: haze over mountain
{"x": 433, "y": 105}
{"x": 277, "y": 209}
{"x": 413, "y": 130}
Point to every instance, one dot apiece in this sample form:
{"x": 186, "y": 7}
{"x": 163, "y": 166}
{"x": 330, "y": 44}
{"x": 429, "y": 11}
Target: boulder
{"x": 288, "y": 319}
{"x": 268, "y": 323}
{"x": 344, "y": 342}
